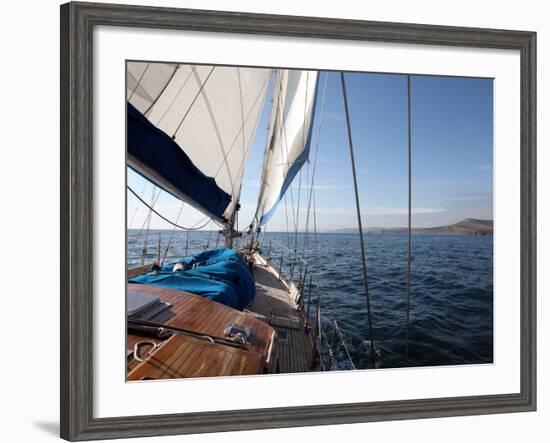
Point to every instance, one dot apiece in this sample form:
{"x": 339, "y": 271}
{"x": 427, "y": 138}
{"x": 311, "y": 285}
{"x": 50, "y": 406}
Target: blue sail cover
{"x": 219, "y": 274}
{"x": 155, "y": 151}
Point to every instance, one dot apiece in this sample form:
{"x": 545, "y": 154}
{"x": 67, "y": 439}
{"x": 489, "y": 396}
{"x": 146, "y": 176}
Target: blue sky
{"x": 452, "y": 156}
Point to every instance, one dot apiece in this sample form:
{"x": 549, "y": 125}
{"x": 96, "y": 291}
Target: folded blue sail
{"x": 151, "y": 152}
{"x": 220, "y": 275}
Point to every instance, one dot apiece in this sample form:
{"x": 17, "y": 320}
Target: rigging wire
{"x": 148, "y": 227}
{"x": 209, "y": 235}
{"x": 357, "y": 205}
{"x": 195, "y": 227}
{"x": 306, "y": 230}
{"x": 137, "y": 205}
{"x": 409, "y": 246}
{"x": 175, "y": 97}
{"x": 315, "y": 157}
{"x": 139, "y": 81}
{"x": 244, "y": 120}
{"x": 315, "y": 226}
{"x": 172, "y": 234}
{"x": 194, "y": 100}
{"x": 154, "y": 102}
{"x": 297, "y": 224}
{"x": 300, "y": 178}
{"x": 140, "y": 233}
{"x": 282, "y": 130}
{"x": 286, "y": 217}
{"x": 268, "y": 142}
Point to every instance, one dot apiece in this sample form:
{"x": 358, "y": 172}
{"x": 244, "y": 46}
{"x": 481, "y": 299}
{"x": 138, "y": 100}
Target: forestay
{"x": 210, "y": 112}
{"x": 288, "y": 141}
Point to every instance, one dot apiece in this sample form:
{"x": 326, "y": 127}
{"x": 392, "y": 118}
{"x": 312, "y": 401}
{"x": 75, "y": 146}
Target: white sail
{"x": 146, "y": 81}
{"x": 288, "y": 142}
{"x": 211, "y": 112}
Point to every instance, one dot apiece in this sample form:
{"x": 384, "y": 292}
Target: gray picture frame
{"x": 77, "y": 217}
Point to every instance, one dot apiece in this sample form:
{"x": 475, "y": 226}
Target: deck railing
{"x": 304, "y": 280}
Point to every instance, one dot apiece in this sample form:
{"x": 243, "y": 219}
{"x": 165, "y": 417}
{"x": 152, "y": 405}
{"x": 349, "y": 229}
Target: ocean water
{"x": 451, "y": 316}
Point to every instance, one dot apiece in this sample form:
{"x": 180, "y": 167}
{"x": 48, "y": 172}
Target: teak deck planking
{"x": 203, "y": 316}
{"x": 184, "y": 356}
{"x": 298, "y": 352}
{"x": 273, "y": 309}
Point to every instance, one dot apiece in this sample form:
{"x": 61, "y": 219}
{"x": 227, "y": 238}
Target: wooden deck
{"x": 202, "y": 316}
{"x": 274, "y": 304}
{"x": 279, "y": 341}
{"x": 183, "y": 357}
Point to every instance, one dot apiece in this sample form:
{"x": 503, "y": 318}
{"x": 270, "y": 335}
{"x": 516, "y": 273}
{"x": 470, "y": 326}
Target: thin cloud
{"x": 402, "y": 211}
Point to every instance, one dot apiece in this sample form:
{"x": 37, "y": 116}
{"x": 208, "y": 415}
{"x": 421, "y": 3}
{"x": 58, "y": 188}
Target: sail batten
{"x": 287, "y": 147}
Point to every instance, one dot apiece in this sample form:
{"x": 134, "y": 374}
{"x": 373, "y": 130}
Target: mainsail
{"x": 210, "y": 113}
{"x": 289, "y": 137}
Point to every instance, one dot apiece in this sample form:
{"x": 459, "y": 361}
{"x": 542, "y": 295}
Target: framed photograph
{"x": 272, "y": 221}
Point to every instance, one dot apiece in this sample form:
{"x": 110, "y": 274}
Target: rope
{"x": 161, "y": 328}
{"x": 140, "y": 344}
{"x": 409, "y": 251}
{"x": 195, "y": 227}
{"x": 357, "y": 205}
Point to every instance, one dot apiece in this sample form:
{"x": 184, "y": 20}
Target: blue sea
{"x": 451, "y": 315}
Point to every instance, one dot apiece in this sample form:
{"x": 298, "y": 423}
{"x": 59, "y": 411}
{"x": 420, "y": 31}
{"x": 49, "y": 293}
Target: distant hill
{"x": 468, "y": 226}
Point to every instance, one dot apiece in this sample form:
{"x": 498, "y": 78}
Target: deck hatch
{"x": 144, "y": 306}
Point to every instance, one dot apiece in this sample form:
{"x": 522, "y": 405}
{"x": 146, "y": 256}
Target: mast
{"x": 288, "y": 143}
{"x": 269, "y": 142}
